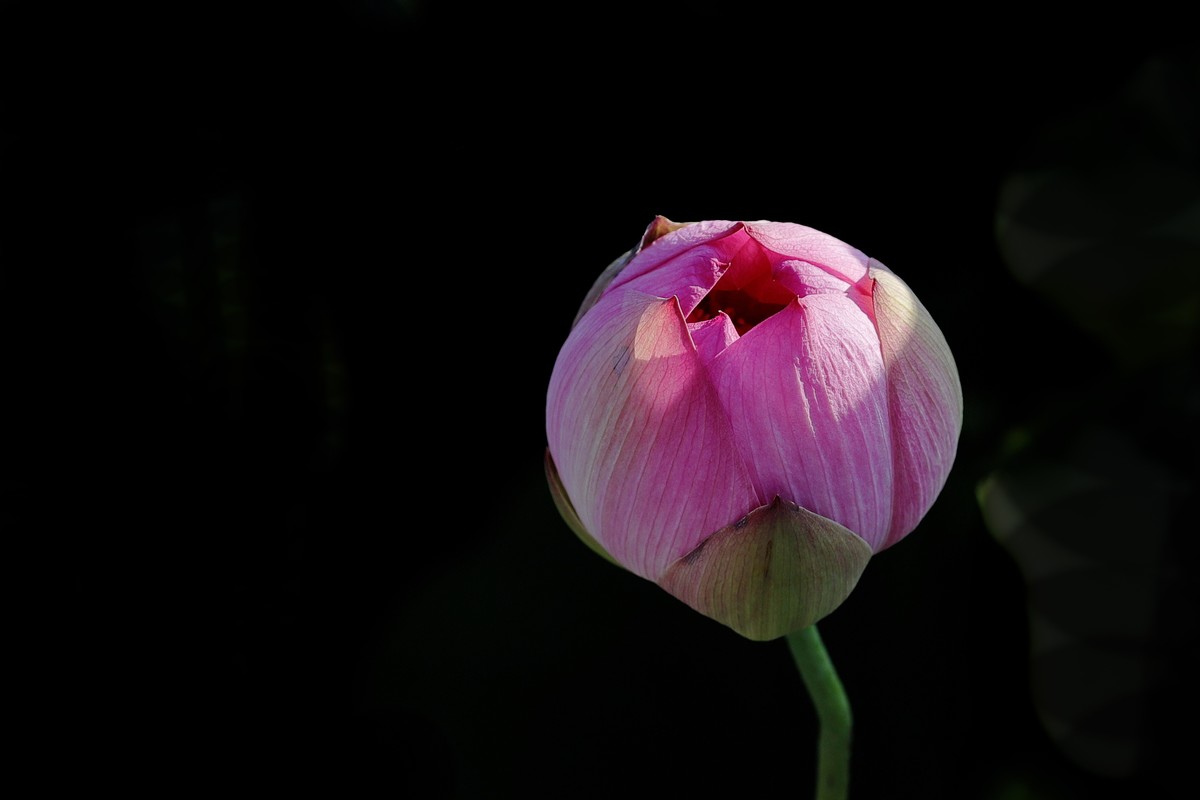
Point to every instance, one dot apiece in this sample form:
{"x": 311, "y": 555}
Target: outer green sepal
{"x": 778, "y": 569}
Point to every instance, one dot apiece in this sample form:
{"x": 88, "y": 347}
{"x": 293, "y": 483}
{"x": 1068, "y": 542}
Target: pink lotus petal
{"x": 806, "y": 396}
{"x": 792, "y": 241}
{"x": 803, "y": 278}
{"x": 672, "y": 244}
{"x": 924, "y": 398}
{"x": 689, "y": 274}
{"x": 638, "y": 435}
{"x": 712, "y": 336}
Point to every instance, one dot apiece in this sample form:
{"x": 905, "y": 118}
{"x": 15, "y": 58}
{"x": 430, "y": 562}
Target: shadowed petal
{"x": 924, "y": 400}
{"x": 779, "y": 569}
{"x": 638, "y": 436}
{"x": 806, "y": 397}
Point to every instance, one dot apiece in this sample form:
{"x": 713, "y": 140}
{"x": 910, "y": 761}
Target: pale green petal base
{"x": 779, "y": 569}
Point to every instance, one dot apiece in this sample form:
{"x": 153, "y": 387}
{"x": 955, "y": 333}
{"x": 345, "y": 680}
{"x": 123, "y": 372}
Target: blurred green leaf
{"x": 1103, "y": 217}
{"x": 1090, "y": 530}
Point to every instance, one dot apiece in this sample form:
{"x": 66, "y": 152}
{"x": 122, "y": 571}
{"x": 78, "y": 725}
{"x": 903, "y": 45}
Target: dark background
{"x": 282, "y": 290}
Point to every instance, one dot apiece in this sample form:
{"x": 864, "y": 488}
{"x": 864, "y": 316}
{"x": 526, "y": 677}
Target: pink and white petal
{"x": 924, "y": 398}
{"x": 874, "y": 264}
{"x": 638, "y": 436}
{"x": 806, "y": 396}
{"x": 792, "y": 241}
{"x": 712, "y": 336}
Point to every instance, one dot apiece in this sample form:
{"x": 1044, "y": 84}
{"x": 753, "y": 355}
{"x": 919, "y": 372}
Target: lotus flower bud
{"x": 744, "y": 413}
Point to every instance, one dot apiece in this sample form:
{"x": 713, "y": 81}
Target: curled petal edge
{"x": 660, "y": 227}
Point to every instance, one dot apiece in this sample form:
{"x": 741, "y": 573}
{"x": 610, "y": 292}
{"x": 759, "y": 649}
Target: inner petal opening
{"x": 745, "y": 292}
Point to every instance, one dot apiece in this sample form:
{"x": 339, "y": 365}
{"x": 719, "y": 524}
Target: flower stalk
{"x": 833, "y": 712}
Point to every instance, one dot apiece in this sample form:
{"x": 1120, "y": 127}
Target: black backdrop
{"x": 283, "y": 287}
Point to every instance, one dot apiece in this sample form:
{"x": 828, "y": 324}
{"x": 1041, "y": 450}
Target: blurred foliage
{"x": 1095, "y": 498}
{"x": 1103, "y": 218}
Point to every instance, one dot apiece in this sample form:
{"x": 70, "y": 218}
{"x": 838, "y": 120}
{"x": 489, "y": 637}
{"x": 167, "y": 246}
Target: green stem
{"x": 833, "y": 712}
